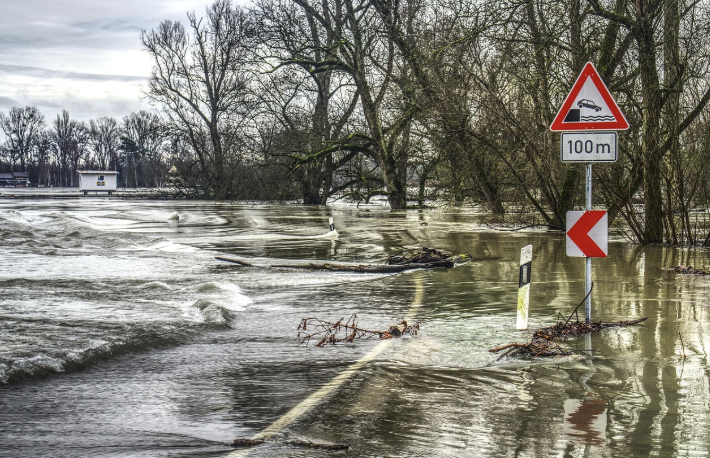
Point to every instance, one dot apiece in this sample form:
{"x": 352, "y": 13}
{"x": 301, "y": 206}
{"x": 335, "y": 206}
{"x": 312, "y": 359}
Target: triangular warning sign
{"x": 589, "y": 106}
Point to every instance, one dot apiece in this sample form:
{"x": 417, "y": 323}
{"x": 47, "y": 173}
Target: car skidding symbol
{"x": 585, "y": 103}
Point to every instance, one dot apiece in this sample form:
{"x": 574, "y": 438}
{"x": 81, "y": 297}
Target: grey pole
{"x": 588, "y": 273}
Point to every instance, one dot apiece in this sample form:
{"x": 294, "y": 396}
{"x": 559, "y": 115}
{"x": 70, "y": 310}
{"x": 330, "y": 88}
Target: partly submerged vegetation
{"x": 412, "y": 100}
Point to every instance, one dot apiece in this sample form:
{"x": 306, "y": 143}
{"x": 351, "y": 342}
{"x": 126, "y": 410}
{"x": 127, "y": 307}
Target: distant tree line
{"x": 53, "y": 152}
{"x": 413, "y": 100}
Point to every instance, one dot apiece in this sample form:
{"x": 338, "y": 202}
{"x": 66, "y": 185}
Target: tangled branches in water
{"x": 347, "y": 331}
{"x": 545, "y": 342}
{"x": 691, "y": 270}
{"x": 299, "y": 443}
{"x": 564, "y": 330}
{"x": 425, "y": 256}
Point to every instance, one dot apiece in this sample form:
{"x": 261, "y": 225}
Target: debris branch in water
{"x": 347, "y": 331}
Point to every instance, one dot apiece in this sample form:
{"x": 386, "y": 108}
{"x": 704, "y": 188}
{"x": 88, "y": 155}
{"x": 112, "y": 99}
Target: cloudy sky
{"x": 84, "y": 56}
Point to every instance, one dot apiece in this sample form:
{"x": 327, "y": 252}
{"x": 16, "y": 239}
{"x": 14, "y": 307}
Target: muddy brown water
{"x": 122, "y": 336}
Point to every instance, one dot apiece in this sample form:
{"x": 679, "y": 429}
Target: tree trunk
{"x": 652, "y": 103}
{"x": 672, "y": 84}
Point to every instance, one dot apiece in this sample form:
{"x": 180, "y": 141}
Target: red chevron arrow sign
{"x": 588, "y": 233}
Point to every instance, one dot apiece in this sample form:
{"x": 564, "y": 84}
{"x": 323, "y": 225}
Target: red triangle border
{"x": 589, "y": 71}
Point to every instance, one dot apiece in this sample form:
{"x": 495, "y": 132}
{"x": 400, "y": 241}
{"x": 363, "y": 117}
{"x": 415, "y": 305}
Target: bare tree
{"x": 45, "y": 147}
{"x": 363, "y": 51}
{"x": 437, "y": 40}
{"x": 22, "y": 127}
{"x": 143, "y": 136}
{"x": 70, "y": 138}
{"x": 104, "y": 141}
{"x": 201, "y": 80}
{"x": 312, "y": 107}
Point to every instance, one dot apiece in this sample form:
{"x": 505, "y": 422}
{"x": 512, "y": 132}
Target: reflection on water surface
{"x": 121, "y": 335}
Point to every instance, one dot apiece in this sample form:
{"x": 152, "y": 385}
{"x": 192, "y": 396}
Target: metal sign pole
{"x": 588, "y": 274}
{"x": 588, "y": 110}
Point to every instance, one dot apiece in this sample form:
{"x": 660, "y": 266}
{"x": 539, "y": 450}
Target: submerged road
{"x": 292, "y": 415}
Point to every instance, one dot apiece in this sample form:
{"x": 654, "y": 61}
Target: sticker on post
{"x": 524, "y": 287}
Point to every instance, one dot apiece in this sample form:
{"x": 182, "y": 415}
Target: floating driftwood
{"x": 537, "y": 347}
{"x": 564, "y": 330}
{"x": 235, "y": 261}
{"x": 347, "y": 331}
{"x": 424, "y": 258}
{"x": 691, "y": 270}
{"x": 545, "y": 342}
{"x": 247, "y": 442}
{"x": 298, "y": 443}
{"x": 360, "y": 267}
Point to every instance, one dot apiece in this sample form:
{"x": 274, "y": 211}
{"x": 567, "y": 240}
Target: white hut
{"x": 97, "y": 180}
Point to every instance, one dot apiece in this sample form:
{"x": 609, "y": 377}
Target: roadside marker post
{"x": 524, "y": 287}
{"x": 586, "y": 113}
{"x": 332, "y": 226}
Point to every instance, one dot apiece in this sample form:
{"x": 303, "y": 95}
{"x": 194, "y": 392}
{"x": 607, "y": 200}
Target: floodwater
{"x": 121, "y": 335}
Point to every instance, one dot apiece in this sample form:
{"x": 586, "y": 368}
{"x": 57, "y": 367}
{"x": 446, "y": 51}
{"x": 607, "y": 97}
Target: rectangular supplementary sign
{"x": 589, "y": 147}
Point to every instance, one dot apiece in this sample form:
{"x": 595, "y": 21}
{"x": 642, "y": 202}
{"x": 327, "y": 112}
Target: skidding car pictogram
{"x": 586, "y": 103}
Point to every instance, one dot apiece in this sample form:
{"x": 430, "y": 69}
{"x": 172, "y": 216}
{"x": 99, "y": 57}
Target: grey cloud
{"x": 103, "y": 35}
{"x": 38, "y": 72}
{"x": 80, "y": 109}
{"x": 81, "y": 37}
{"x": 8, "y": 102}
{"x": 113, "y": 26}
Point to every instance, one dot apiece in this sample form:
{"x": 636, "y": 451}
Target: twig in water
{"x": 574, "y": 312}
{"x": 682, "y": 345}
{"x": 347, "y": 331}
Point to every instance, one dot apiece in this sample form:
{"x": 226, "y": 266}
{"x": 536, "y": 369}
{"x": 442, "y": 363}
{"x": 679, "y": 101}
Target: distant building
{"x": 97, "y": 181}
{"x": 14, "y": 179}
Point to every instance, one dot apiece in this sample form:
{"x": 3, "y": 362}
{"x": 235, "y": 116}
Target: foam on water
{"x": 14, "y": 217}
{"x": 86, "y": 287}
{"x": 230, "y": 295}
{"x": 206, "y": 311}
{"x": 156, "y": 286}
{"x": 182, "y": 348}
{"x": 167, "y": 245}
{"x": 328, "y": 235}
